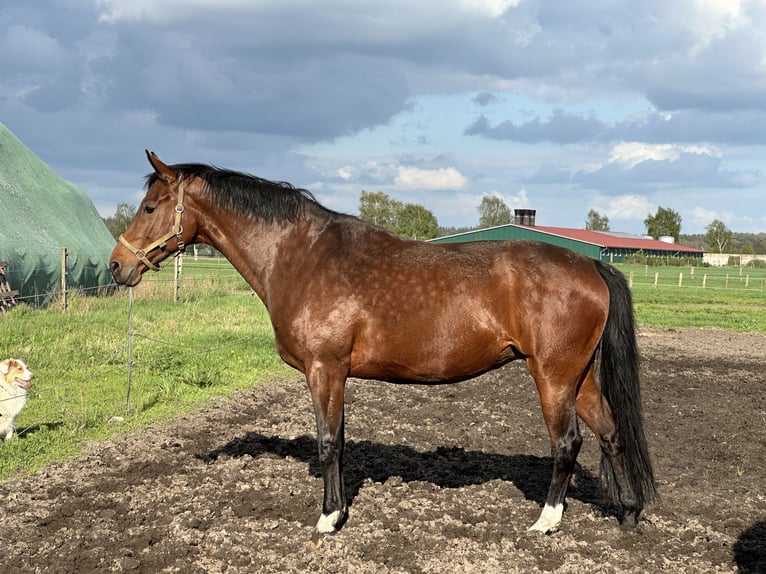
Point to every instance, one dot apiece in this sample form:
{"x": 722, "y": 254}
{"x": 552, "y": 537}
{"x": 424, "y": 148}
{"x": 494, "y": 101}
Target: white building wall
{"x": 721, "y": 259}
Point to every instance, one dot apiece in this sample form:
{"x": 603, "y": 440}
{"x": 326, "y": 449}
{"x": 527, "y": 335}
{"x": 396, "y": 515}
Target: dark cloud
{"x": 561, "y": 128}
{"x": 88, "y": 84}
{"x": 746, "y": 127}
{"x": 484, "y": 99}
{"x": 688, "y": 170}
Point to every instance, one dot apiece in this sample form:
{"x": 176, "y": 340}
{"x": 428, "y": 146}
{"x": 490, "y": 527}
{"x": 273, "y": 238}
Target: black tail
{"x": 620, "y": 386}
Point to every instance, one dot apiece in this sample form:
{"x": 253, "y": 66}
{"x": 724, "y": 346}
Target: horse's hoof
{"x": 549, "y": 520}
{"x": 629, "y": 520}
{"x": 328, "y": 525}
{"x": 318, "y": 537}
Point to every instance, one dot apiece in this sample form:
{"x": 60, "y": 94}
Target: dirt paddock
{"x": 440, "y": 479}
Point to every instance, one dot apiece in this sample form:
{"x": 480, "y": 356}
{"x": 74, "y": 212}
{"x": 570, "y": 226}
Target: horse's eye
{"x": 148, "y": 209}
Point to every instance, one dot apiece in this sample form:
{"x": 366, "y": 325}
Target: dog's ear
{"x": 5, "y": 366}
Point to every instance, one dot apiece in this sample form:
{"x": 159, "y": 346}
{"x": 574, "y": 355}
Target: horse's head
{"x": 157, "y": 230}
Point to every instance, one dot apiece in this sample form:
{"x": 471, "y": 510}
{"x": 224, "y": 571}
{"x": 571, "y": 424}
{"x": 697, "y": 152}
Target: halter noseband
{"x": 176, "y": 231}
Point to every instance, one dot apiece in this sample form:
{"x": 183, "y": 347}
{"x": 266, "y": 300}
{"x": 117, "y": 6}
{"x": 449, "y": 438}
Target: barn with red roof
{"x": 604, "y": 245}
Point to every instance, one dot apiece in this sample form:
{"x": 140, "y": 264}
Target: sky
{"x": 562, "y": 106}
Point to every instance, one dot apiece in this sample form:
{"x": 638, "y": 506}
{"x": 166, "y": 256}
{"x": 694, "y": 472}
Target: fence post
{"x": 630, "y": 281}
{"x": 63, "y": 277}
{"x": 704, "y": 280}
{"x": 176, "y": 285}
{"x": 656, "y": 278}
{"x": 130, "y": 344}
{"x": 681, "y": 279}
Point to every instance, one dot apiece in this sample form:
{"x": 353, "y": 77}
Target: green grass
{"x": 217, "y": 339}
{"x": 729, "y": 298}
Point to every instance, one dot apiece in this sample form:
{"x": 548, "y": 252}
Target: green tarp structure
{"x": 40, "y": 214}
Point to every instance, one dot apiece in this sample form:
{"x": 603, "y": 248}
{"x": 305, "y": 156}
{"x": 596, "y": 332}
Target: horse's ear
{"x": 164, "y": 171}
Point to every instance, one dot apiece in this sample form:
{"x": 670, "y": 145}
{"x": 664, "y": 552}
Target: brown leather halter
{"x": 176, "y": 231}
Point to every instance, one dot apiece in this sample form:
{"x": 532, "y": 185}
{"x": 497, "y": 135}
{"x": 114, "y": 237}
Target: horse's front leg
{"x": 327, "y": 388}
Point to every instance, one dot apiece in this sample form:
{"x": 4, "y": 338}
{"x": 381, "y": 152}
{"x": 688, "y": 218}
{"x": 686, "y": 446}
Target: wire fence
{"x": 214, "y": 275}
{"x": 734, "y": 279}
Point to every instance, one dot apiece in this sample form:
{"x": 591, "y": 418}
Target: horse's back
{"x": 432, "y": 312}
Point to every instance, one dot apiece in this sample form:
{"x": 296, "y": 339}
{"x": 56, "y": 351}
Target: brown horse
{"x": 349, "y": 299}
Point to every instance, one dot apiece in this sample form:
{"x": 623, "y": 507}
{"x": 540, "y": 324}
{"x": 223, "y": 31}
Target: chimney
{"x": 524, "y": 217}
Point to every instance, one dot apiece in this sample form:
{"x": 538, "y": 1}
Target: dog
{"x": 15, "y": 379}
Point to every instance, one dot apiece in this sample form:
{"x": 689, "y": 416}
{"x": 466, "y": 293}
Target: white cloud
{"x": 158, "y": 10}
{"x": 417, "y": 178}
{"x": 625, "y": 207}
{"x": 629, "y": 154}
{"x": 491, "y": 8}
{"x": 518, "y": 201}
{"x": 702, "y": 216}
{"x": 343, "y": 94}
{"x": 710, "y": 20}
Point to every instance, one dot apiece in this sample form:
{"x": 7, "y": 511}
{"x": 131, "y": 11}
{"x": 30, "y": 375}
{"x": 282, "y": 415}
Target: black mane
{"x": 246, "y": 194}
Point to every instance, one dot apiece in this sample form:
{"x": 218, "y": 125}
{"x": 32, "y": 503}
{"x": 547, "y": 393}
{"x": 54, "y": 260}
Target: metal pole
{"x": 177, "y": 275}
{"x": 130, "y": 342}
{"x": 63, "y": 277}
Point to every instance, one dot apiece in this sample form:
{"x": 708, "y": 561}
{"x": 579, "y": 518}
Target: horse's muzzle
{"x": 124, "y": 276}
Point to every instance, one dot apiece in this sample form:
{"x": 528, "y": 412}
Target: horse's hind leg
{"x": 597, "y": 414}
{"x": 327, "y": 388}
{"x": 558, "y": 404}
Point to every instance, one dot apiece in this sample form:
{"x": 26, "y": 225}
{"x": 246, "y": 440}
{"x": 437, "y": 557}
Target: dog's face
{"x": 15, "y": 372}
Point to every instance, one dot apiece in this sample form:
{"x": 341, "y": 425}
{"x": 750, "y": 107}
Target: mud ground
{"x": 440, "y": 480}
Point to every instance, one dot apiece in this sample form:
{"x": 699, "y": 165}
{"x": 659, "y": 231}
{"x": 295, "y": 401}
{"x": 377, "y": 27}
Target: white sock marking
{"x": 549, "y": 520}
{"x": 327, "y": 522}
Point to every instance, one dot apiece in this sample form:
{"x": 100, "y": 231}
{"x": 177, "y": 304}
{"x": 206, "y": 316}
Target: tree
{"x": 718, "y": 235}
{"x": 493, "y": 212}
{"x": 416, "y": 222}
{"x": 596, "y": 221}
{"x": 118, "y": 223}
{"x": 408, "y": 220}
{"x": 664, "y": 222}
{"x": 378, "y": 208}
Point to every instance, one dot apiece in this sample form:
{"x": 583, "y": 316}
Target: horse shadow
{"x": 445, "y": 467}
{"x": 750, "y": 549}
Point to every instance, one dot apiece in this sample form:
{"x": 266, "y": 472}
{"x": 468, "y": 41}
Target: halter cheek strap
{"x": 176, "y": 231}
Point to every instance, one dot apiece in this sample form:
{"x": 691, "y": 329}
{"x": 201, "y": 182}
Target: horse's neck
{"x": 253, "y": 248}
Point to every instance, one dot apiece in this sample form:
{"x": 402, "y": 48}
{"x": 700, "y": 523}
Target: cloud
{"x": 618, "y": 99}
{"x": 625, "y": 207}
{"x": 561, "y": 128}
{"x": 703, "y": 216}
{"x": 417, "y": 178}
{"x": 630, "y": 154}
{"x": 686, "y": 126}
{"x": 490, "y": 8}
{"x": 549, "y": 174}
{"x": 519, "y": 200}
{"x": 484, "y": 99}
{"x": 638, "y": 166}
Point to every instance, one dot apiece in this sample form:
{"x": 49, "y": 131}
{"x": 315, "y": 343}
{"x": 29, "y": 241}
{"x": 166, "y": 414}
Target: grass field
{"x": 217, "y": 339}
{"x": 727, "y": 298}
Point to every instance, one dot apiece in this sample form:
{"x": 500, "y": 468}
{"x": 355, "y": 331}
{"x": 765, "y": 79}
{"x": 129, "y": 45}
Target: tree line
{"x": 417, "y": 222}
{"x": 718, "y": 238}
